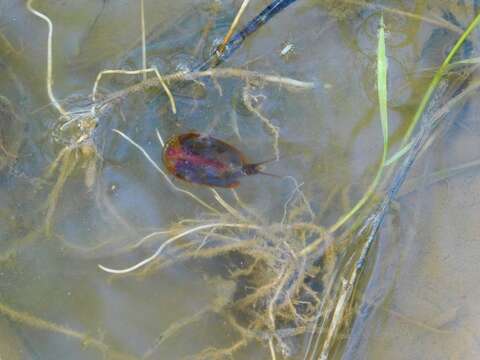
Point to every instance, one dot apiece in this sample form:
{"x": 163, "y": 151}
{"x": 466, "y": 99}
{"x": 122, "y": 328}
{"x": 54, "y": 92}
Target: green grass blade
{"x": 398, "y": 154}
{"x": 382, "y": 70}
{"x": 438, "y": 76}
{"x": 470, "y": 61}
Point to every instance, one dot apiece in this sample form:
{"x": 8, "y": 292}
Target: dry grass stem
{"x": 289, "y": 83}
{"x": 170, "y": 241}
{"x": 159, "y": 137}
{"x": 51, "y": 96}
{"x": 134, "y": 72}
{"x": 272, "y": 349}
{"x": 144, "y": 45}
{"x": 233, "y": 25}
{"x": 338, "y": 316}
{"x": 231, "y": 210}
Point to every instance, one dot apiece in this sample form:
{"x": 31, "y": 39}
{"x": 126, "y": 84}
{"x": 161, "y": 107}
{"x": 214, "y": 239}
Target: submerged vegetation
{"x": 294, "y": 281}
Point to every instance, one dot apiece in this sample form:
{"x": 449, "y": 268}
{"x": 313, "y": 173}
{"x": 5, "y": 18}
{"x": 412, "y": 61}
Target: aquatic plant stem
{"x": 275, "y": 7}
{"x": 10, "y": 49}
{"x": 219, "y": 73}
{"x": 370, "y": 227}
{"x": 233, "y": 25}
{"x": 345, "y": 294}
{"x": 248, "y": 100}
{"x": 372, "y": 224}
{"x": 174, "y": 328}
{"x": 418, "y": 114}
{"x": 382, "y": 69}
{"x": 153, "y": 69}
{"x": 272, "y": 349}
{"x": 51, "y": 96}
{"x": 171, "y": 240}
{"x": 67, "y": 163}
{"x": 438, "y": 76}
{"x": 35, "y": 322}
{"x": 231, "y": 210}
{"x": 446, "y": 65}
{"x": 144, "y": 46}
{"x": 387, "y": 9}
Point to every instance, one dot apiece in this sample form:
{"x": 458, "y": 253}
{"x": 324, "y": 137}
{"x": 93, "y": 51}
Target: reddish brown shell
{"x": 205, "y": 160}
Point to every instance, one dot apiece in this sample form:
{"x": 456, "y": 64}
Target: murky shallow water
{"x": 56, "y": 228}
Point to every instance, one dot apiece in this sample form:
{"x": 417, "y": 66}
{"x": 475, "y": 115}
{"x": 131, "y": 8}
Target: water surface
{"x": 419, "y": 295}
